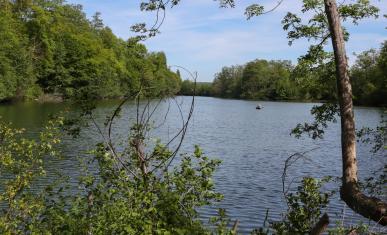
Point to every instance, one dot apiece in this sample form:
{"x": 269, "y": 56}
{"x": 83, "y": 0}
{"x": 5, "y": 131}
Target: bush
{"x": 121, "y": 199}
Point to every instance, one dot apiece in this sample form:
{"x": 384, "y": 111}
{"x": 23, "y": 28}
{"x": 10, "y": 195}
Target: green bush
{"x": 120, "y": 199}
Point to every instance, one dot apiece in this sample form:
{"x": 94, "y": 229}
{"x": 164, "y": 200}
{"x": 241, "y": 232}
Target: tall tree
{"x": 227, "y": 83}
{"x": 325, "y": 23}
{"x": 368, "y": 207}
{"x": 368, "y": 77}
{"x": 50, "y": 46}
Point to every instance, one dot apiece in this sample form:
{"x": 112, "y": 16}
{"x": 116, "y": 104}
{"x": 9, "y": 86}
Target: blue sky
{"x": 202, "y": 37}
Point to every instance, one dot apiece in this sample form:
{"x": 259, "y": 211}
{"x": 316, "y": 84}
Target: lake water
{"x": 252, "y": 144}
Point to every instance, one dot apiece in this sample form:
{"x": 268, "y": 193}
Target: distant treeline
{"x": 51, "y": 47}
{"x": 201, "y": 88}
{"x": 280, "y": 80}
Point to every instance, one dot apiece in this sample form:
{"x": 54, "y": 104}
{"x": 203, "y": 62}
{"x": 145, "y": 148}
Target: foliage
{"x": 16, "y": 76}
{"x": 375, "y": 184}
{"x": 195, "y": 88}
{"x": 262, "y": 79}
{"x": 115, "y": 203}
{"x": 375, "y": 136}
{"x": 368, "y": 76}
{"x": 71, "y": 56}
{"x": 323, "y": 114}
{"x": 259, "y": 79}
{"x": 51, "y": 46}
{"x": 315, "y": 73}
{"x": 228, "y": 82}
{"x": 123, "y": 198}
{"x": 21, "y": 164}
{"x": 312, "y": 79}
{"x": 357, "y": 228}
{"x": 119, "y": 199}
{"x": 304, "y": 208}
{"x": 222, "y": 223}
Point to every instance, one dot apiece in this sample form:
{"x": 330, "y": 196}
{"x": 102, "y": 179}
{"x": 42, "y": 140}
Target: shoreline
{"x": 289, "y": 101}
{"x": 57, "y": 98}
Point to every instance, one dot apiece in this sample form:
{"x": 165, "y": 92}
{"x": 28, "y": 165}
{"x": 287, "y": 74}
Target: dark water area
{"x": 252, "y": 144}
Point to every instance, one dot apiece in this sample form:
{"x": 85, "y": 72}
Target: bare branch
{"x": 289, "y": 161}
{"x": 111, "y": 147}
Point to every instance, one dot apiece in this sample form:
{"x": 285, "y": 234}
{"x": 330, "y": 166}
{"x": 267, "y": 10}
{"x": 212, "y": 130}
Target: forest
{"x": 51, "y": 48}
{"x": 280, "y": 80}
{"x": 116, "y": 177}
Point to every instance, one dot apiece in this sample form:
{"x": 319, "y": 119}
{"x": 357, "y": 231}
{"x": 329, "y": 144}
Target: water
{"x": 252, "y": 144}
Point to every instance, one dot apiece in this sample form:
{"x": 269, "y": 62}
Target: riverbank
{"x": 57, "y": 98}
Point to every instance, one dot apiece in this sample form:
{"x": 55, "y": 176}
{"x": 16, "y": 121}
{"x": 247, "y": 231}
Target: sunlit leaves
{"x": 304, "y": 207}
{"x": 323, "y": 115}
{"x": 113, "y": 201}
{"x": 60, "y": 52}
{"x": 316, "y": 27}
{"x": 22, "y": 162}
{"x": 357, "y": 11}
{"x": 296, "y": 30}
{"x": 316, "y": 62}
{"x": 254, "y": 10}
{"x": 368, "y": 77}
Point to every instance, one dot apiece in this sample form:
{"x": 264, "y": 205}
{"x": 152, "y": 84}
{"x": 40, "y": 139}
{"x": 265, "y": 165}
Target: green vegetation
{"x": 199, "y": 88}
{"x": 129, "y": 195}
{"x": 309, "y": 80}
{"x": 51, "y": 47}
{"x": 304, "y": 208}
{"x": 369, "y": 77}
{"x": 122, "y": 198}
{"x": 259, "y": 79}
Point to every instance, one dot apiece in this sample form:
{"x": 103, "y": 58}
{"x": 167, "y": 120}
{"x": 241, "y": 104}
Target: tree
{"x": 362, "y": 75}
{"x": 258, "y": 79}
{"x": 122, "y": 198}
{"x": 323, "y": 25}
{"x": 16, "y": 76}
{"x": 51, "y": 47}
{"x": 97, "y": 22}
{"x": 227, "y": 83}
{"x": 372, "y": 208}
{"x": 368, "y": 77}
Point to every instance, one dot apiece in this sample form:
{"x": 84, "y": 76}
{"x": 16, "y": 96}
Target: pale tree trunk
{"x": 368, "y": 207}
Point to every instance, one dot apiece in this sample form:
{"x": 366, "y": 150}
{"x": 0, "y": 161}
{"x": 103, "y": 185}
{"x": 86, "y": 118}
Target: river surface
{"x": 252, "y": 144}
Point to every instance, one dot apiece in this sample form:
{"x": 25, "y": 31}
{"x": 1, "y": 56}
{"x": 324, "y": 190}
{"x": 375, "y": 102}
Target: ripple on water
{"x": 252, "y": 144}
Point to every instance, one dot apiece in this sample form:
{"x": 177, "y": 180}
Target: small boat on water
{"x": 259, "y": 107}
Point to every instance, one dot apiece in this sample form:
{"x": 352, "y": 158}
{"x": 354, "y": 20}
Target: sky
{"x": 202, "y": 37}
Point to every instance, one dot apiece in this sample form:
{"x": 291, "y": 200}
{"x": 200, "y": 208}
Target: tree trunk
{"x": 350, "y": 193}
